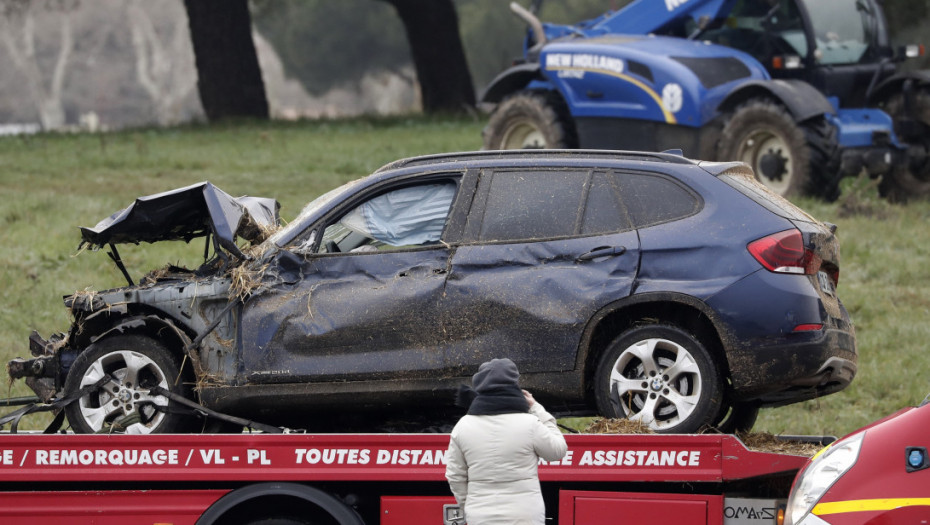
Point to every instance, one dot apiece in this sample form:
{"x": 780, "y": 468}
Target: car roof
{"x": 542, "y": 157}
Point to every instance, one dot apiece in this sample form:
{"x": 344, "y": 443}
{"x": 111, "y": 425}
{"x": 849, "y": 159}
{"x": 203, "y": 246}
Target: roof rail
{"x": 436, "y": 158}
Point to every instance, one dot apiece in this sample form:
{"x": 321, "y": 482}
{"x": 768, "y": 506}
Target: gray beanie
{"x": 495, "y": 373}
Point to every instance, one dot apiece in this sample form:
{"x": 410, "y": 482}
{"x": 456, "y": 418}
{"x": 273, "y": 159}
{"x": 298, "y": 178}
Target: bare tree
{"x": 18, "y": 32}
{"x": 433, "y": 32}
{"x": 228, "y": 75}
{"x": 159, "y": 68}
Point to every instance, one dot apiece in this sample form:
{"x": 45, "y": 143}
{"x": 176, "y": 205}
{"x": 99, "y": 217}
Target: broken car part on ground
{"x": 681, "y": 294}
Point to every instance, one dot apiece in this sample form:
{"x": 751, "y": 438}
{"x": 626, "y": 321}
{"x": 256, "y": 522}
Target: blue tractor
{"x": 804, "y": 91}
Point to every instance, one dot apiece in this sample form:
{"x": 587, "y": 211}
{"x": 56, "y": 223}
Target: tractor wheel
{"x": 124, "y": 405}
{"x": 661, "y": 376}
{"x": 903, "y": 184}
{"x": 763, "y": 135}
{"x": 530, "y": 120}
{"x": 824, "y": 161}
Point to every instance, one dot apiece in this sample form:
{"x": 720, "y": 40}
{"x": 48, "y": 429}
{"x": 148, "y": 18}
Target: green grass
{"x": 51, "y": 184}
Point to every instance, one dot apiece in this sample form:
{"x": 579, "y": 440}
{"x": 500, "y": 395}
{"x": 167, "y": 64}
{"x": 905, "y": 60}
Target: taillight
{"x": 784, "y": 252}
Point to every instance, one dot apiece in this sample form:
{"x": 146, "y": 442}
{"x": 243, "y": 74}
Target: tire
{"x": 904, "y": 184}
{"x": 738, "y": 418}
{"x": 530, "y": 120}
{"x": 763, "y": 135}
{"x": 824, "y": 160}
{"x": 135, "y": 362}
{"x": 632, "y": 383}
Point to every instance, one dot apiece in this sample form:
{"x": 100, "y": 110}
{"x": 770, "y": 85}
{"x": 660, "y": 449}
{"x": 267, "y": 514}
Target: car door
{"x": 363, "y": 304}
{"x": 543, "y": 251}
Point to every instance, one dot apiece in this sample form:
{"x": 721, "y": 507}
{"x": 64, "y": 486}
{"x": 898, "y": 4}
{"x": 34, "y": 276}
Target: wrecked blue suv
{"x": 681, "y": 294}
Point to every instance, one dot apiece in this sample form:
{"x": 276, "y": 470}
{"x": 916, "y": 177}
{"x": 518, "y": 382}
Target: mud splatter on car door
{"x": 352, "y": 316}
{"x": 552, "y": 248}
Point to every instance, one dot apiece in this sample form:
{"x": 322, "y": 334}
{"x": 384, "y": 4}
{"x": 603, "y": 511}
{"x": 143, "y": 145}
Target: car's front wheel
{"x": 660, "y": 376}
{"x": 135, "y": 364}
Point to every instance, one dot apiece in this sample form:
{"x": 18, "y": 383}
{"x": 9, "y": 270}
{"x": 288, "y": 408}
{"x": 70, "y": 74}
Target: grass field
{"x": 51, "y": 184}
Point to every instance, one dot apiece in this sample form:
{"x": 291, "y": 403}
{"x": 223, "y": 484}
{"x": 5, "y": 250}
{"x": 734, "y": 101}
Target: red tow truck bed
{"x": 369, "y": 478}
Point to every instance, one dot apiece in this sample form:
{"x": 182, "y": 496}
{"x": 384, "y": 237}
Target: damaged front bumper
{"x": 43, "y": 370}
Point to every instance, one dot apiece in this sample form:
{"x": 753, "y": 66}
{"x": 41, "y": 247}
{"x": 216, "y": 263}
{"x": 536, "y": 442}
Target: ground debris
{"x": 765, "y": 442}
{"x": 617, "y": 426}
{"x": 757, "y": 441}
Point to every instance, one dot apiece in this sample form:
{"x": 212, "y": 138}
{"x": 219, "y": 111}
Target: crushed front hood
{"x": 187, "y": 213}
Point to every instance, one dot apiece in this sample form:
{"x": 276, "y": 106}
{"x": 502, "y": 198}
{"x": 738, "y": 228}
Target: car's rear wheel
{"x": 135, "y": 364}
{"x": 530, "y": 120}
{"x": 661, "y": 376}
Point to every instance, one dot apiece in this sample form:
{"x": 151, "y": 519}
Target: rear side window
{"x": 532, "y": 205}
{"x": 551, "y": 204}
{"x": 743, "y": 180}
{"x": 603, "y": 212}
{"x": 654, "y": 199}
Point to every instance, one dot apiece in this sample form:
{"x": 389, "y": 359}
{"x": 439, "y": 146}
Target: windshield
{"x": 842, "y": 28}
{"x": 315, "y": 205}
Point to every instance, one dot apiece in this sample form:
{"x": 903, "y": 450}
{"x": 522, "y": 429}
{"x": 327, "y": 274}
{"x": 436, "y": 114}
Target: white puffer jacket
{"x": 492, "y": 465}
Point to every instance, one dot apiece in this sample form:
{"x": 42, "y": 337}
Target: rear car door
{"x": 543, "y": 250}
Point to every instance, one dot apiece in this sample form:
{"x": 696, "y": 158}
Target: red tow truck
{"x": 878, "y": 475}
{"x": 355, "y": 479}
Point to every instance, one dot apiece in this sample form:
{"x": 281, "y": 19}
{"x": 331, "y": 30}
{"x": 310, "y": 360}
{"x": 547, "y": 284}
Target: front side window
{"x": 763, "y": 29}
{"x": 842, "y": 29}
{"x": 406, "y": 217}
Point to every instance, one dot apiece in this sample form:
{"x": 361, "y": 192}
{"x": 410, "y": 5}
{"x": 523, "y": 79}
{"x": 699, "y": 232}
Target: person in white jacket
{"x": 494, "y": 450}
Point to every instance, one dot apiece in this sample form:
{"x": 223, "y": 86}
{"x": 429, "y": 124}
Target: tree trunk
{"x": 228, "y": 75}
{"x": 48, "y": 99}
{"x": 438, "y": 56}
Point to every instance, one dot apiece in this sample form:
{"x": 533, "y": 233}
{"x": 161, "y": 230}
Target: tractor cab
{"x": 840, "y": 47}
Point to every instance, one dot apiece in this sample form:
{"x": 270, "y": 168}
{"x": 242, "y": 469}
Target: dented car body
{"x": 647, "y": 286}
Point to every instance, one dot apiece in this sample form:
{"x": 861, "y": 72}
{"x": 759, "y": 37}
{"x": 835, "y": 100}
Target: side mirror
{"x": 910, "y": 51}
{"x": 288, "y": 266}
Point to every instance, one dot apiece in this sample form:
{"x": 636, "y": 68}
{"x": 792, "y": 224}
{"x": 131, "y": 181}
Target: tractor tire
{"x": 762, "y": 134}
{"x": 903, "y": 184}
{"x": 530, "y": 120}
{"x": 824, "y": 160}
{"x": 124, "y": 405}
{"x": 661, "y": 376}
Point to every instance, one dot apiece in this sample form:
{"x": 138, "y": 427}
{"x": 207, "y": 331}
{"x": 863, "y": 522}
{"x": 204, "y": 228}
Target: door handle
{"x": 602, "y": 251}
